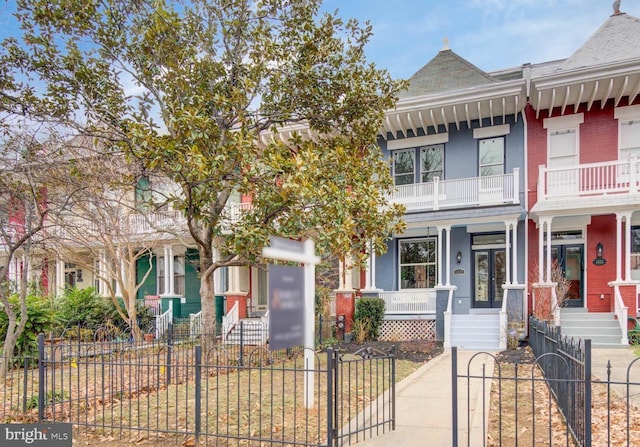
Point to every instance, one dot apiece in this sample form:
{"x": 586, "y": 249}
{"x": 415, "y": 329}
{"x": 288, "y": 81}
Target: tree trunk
{"x": 207, "y": 302}
{"x": 9, "y": 346}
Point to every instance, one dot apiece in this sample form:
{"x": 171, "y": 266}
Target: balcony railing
{"x": 589, "y": 180}
{"x": 460, "y": 193}
{"x": 409, "y": 302}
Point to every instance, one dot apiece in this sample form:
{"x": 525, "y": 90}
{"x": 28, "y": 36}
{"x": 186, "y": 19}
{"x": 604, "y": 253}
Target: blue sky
{"x": 491, "y": 34}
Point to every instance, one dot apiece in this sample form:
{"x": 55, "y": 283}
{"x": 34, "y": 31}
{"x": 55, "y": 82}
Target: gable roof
{"x": 616, "y": 40}
{"x": 445, "y": 72}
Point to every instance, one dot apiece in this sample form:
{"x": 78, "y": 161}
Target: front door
{"x": 569, "y": 261}
{"x": 489, "y": 276}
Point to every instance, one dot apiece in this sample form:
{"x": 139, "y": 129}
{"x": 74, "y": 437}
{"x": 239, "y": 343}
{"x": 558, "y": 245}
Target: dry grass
{"x": 264, "y": 402}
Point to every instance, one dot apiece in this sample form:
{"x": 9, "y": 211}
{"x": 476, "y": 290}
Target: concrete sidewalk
{"x": 423, "y": 404}
{"x": 623, "y": 361}
{"x": 424, "y": 399}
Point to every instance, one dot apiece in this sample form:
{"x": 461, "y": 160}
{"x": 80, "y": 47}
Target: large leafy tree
{"x": 269, "y": 99}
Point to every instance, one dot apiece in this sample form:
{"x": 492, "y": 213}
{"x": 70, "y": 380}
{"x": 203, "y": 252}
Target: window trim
{"x": 628, "y": 114}
{"x": 434, "y": 239}
{"x": 441, "y": 170}
{"x": 504, "y": 155}
{"x": 413, "y": 142}
{"x": 413, "y": 172}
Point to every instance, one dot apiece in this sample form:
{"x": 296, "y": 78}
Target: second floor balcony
{"x": 493, "y": 190}
{"x": 607, "y": 182}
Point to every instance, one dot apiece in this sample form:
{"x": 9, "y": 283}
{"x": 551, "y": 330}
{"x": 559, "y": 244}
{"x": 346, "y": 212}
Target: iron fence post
{"x": 330, "y": 397}
{"x": 587, "y": 393}
{"x": 454, "y": 395}
{"x": 169, "y": 350}
{"x": 198, "y": 393}
{"x": 41, "y": 387}
{"x": 25, "y": 384}
{"x": 241, "y": 359}
{"x": 393, "y": 388}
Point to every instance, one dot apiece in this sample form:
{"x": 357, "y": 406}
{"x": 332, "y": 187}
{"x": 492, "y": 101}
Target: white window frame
{"x": 413, "y": 172}
{"x": 440, "y": 146}
{"x": 179, "y": 275}
{"x": 563, "y": 124}
{"x": 629, "y": 115}
{"x": 426, "y": 264}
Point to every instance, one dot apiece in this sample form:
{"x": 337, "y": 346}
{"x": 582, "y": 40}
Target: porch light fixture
{"x": 599, "y": 250}
{"x": 78, "y": 275}
{"x": 459, "y": 257}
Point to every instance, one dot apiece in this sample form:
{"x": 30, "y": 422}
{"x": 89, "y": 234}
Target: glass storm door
{"x": 489, "y": 276}
{"x": 569, "y": 259}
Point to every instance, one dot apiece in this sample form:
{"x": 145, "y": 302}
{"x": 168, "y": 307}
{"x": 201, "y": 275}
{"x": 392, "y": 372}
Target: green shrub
{"x": 84, "y": 307}
{"x": 370, "y": 311}
{"x": 40, "y": 319}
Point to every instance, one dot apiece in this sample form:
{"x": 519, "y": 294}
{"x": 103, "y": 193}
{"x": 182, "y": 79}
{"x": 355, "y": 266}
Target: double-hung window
{"x": 628, "y": 131}
{"x": 491, "y": 156}
{"x": 431, "y": 162}
{"x": 404, "y": 166}
{"x": 418, "y": 263}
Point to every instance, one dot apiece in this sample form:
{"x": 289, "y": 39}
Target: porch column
{"x": 346, "y": 274}
{"x": 103, "y": 273}
{"x": 627, "y": 244}
{"x": 370, "y": 273}
{"x": 541, "y": 225}
{"x": 59, "y": 276}
{"x": 619, "y": 247}
{"x": 447, "y": 232}
{"x": 234, "y": 280}
{"x": 167, "y": 285}
{"x": 515, "y": 253}
{"x": 439, "y": 256}
{"x": 123, "y": 276}
{"x": 217, "y": 274}
{"x": 507, "y": 251}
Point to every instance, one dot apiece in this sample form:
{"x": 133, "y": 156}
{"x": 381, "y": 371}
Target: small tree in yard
{"x": 265, "y": 99}
{"x": 23, "y": 208}
{"x": 105, "y": 222}
{"x": 368, "y": 317}
{"x": 544, "y": 306}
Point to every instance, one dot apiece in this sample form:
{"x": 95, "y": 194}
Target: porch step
{"x": 254, "y": 332}
{"x": 476, "y": 332}
{"x": 601, "y": 328}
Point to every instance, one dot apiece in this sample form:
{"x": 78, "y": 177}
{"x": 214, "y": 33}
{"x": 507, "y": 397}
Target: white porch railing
{"x": 163, "y": 321}
{"x": 160, "y": 220}
{"x": 475, "y": 191}
{"x": 229, "y": 321}
{"x": 622, "y": 314}
{"x": 409, "y": 302}
{"x": 591, "y": 179}
{"x": 195, "y": 324}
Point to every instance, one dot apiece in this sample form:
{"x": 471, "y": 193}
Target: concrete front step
{"x": 476, "y": 332}
{"x": 600, "y": 327}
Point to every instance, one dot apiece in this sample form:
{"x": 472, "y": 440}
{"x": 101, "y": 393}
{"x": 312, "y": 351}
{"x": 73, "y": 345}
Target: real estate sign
{"x": 286, "y": 307}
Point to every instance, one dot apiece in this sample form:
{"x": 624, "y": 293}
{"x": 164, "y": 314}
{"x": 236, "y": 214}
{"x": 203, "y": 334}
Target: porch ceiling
{"x": 593, "y": 207}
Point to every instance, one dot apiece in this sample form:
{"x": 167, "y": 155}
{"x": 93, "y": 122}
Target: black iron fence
{"x": 546, "y": 398}
{"x": 190, "y": 391}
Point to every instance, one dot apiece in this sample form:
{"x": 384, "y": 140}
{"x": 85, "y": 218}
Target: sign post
{"x": 304, "y": 253}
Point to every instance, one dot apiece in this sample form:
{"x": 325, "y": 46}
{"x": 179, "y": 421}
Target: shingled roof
{"x": 446, "y": 72}
{"x": 617, "y": 40}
